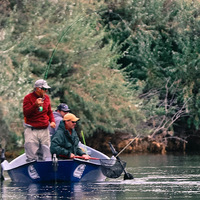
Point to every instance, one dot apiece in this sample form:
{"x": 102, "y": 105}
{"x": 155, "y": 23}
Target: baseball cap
{"x": 41, "y": 84}
{"x": 63, "y": 107}
{"x": 70, "y": 117}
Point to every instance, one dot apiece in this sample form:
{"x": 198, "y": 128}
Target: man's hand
{"x": 39, "y": 102}
{"x": 86, "y": 157}
{"x": 53, "y": 125}
{"x": 72, "y": 155}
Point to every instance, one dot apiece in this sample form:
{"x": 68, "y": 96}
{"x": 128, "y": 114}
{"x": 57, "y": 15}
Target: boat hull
{"x": 63, "y": 171}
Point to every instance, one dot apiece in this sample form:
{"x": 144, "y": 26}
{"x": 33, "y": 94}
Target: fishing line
{"x": 55, "y": 49}
{"x": 64, "y": 33}
{"x": 60, "y": 40}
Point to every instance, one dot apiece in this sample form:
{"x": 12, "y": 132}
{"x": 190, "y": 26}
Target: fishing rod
{"x": 65, "y": 32}
{"x": 84, "y": 142}
{"x": 127, "y": 175}
{"x": 61, "y": 38}
{"x": 127, "y": 145}
{"x": 55, "y": 49}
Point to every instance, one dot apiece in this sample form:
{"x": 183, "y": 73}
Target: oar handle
{"x": 114, "y": 152}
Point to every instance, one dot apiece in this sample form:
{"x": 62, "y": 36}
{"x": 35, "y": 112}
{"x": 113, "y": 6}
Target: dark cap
{"x": 63, "y": 107}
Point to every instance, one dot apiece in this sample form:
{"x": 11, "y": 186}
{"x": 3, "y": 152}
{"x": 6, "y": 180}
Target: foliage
{"x": 116, "y": 64}
{"x": 79, "y": 71}
{"x": 159, "y": 41}
{"x": 7, "y": 137}
{"x": 93, "y": 90}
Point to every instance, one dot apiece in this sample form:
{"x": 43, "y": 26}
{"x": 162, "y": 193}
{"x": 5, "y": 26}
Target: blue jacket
{"x": 58, "y": 117}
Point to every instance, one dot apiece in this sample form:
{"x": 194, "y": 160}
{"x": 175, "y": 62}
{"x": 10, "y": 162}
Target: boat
{"x": 57, "y": 170}
{"x": 96, "y": 169}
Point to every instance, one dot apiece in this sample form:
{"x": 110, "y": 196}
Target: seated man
{"x": 65, "y": 141}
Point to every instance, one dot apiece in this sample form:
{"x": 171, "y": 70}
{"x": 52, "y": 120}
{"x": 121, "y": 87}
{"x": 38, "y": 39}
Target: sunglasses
{"x": 45, "y": 89}
{"x": 71, "y": 121}
{"x": 65, "y": 111}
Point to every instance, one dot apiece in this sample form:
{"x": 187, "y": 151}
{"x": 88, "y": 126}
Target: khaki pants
{"x": 37, "y": 143}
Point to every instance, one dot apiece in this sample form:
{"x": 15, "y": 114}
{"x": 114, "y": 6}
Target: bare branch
{"x": 176, "y": 138}
{"x": 165, "y": 122}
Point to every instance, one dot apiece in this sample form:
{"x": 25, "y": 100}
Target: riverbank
{"x": 144, "y": 144}
{"x": 130, "y": 145}
{"x": 14, "y": 153}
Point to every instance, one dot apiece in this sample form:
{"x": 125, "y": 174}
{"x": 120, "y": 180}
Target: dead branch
{"x": 166, "y": 122}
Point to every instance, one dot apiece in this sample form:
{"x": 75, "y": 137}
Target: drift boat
{"x": 97, "y": 168}
{"x": 69, "y": 170}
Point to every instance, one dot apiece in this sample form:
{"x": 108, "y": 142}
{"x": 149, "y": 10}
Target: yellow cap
{"x": 70, "y": 117}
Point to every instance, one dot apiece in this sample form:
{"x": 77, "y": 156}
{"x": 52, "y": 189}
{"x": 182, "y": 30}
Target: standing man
{"x": 62, "y": 109}
{"x": 65, "y": 141}
{"x": 37, "y": 116}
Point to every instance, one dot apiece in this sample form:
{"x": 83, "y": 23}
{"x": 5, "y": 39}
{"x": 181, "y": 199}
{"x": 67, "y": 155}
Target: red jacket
{"x": 33, "y": 116}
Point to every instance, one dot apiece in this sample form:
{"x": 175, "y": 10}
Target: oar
{"x": 2, "y": 159}
{"x": 127, "y": 176}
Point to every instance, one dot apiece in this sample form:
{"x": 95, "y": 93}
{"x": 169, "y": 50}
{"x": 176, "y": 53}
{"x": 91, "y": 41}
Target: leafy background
{"x": 121, "y": 66}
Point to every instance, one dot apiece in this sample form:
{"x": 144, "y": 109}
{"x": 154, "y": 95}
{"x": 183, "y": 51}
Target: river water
{"x": 155, "y": 177}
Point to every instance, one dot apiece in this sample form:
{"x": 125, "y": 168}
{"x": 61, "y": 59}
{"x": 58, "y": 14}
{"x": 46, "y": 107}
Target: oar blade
{"x": 128, "y": 176}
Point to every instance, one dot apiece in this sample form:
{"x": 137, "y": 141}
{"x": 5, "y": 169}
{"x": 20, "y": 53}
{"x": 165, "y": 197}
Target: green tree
{"x": 159, "y": 41}
{"x": 82, "y": 72}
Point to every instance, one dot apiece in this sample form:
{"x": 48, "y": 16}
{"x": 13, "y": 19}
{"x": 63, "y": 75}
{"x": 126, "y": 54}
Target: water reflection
{"x": 54, "y": 191}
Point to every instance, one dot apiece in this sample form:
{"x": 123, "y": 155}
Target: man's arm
{"x": 28, "y": 106}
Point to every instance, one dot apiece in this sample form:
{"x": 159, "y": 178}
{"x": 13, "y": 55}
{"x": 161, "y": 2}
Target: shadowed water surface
{"x": 156, "y": 177}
